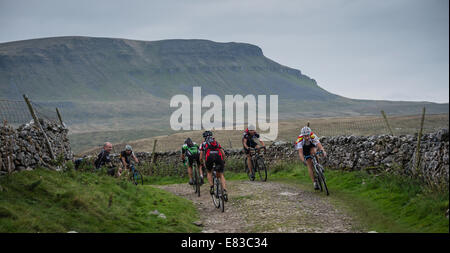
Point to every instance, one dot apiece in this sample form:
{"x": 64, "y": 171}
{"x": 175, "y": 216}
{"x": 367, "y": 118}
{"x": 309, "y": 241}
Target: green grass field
{"x": 49, "y": 201}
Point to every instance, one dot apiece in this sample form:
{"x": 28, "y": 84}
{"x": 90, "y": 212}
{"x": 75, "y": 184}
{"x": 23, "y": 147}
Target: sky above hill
{"x": 393, "y": 50}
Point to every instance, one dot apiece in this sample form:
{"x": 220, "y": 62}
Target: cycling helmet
{"x": 251, "y": 128}
{"x": 207, "y": 133}
{"x": 128, "y": 147}
{"x": 306, "y": 131}
{"x": 189, "y": 142}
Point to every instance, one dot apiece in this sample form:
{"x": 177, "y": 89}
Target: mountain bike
{"x": 258, "y": 163}
{"x": 217, "y": 197}
{"x": 319, "y": 172}
{"x": 135, "y": 176}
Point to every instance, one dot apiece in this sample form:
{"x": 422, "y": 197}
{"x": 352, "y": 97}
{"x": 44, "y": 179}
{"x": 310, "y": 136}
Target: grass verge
{"x": 50, "y": 201}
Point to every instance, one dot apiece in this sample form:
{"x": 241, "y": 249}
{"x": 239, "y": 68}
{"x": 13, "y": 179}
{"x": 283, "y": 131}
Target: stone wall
{"x": 373, "y": 153}
{"x": 26, "y": 149}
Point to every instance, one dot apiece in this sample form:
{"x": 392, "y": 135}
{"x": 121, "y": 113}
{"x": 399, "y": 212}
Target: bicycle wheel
{"x": 261, "y": 168}
{"x": 197, "y": 181}
{"x": 194, "y": 179}
{"x": 215, "y": 196}
{"x": 137, "y": 177}
{"x": 322, "y": 179}
{"x": 220, "y": 195}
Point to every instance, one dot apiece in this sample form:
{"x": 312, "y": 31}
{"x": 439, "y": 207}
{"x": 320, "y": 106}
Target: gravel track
{"x": 267, "y": 207}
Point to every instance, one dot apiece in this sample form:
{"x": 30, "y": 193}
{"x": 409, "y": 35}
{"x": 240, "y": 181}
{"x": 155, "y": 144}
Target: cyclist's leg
{"x": 209, "y": 166}
{"x": 309, "y": 164}
{"x": 249, "y": 160}
{"x": 220, "y": 169}
{"x": 190, "y": 167}
{"x": 310, "y": 169}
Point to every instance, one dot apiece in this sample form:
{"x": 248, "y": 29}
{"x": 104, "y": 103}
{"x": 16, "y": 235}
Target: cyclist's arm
{"x": 135, "y": 158}
{"x": 124, "y": 163}
{"x": 223, "y": 154}
{"x": 300, "y": 154}
{"x": 201, "y": 157}
{"x": 262, "y": 143}
{"x": 319, "y": 145}
{"x": 244, "y": 142}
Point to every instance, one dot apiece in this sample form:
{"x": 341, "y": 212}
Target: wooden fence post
{"x": 38, "y": 124}
{"x": 387, "y": 122}
{"x": 419, "y": 136}
{"x": 59, "y": 117}
{"x": 154, "y": 150}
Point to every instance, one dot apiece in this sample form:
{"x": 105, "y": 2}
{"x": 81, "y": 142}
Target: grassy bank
{"x": 50, "y": 201}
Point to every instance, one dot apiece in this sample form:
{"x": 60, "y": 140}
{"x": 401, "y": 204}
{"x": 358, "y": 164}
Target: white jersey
{"x": 314, "y": 140}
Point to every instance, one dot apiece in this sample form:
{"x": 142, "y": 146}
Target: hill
{"x": 117, "y": 86}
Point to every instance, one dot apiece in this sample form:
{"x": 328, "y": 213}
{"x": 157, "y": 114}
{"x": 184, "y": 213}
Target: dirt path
{"x": 267, "y": 207}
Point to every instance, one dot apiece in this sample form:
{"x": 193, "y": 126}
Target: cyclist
{"x": 191, "y": 150}
{"x": 125, "y": 159}
{"x": 214, "y": 154}
{"x": 206, "y": 134}
{"x": 249, "y": 140}
{"x": 103, "y": 157}
{"x": 306, "y": 144}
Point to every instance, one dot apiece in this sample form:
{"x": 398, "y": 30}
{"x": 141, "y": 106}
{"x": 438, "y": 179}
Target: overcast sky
{"x": 394, "y": 50}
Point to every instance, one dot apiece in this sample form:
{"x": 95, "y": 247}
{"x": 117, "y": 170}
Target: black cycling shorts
{"x": 215, "y": 158}
{"x": 194, "y": 158}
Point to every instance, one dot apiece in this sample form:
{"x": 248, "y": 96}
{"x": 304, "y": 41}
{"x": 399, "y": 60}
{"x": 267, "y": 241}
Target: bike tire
{"x": 322, "y": 179}
{"x": 262, "y": 170}
{"x": 221, "y": 199}
{"x": 197, "y": 181}
{"x": 194, "y": 178}
{"x": 215, "y": 196}
{"x": 137, "y": 177}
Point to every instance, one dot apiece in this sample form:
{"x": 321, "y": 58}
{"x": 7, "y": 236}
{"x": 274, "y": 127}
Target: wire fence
{"x": 400, "y": 125}
{"x": 16, "y": 112}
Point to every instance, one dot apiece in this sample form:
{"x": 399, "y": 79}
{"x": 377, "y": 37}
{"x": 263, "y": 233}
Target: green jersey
{"x": 190, "y": 150}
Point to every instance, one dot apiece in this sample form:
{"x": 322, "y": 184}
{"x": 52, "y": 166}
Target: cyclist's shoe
{"x": 316, "y": 186}
{"x": 253, "y": 175}
{"x": 211, "y": 190}
{"x": 225, "y": 195}
{"x": 191, "y": 182}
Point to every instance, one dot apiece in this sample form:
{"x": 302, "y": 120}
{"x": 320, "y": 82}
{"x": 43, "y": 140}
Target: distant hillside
{"x": 127, "y": 84}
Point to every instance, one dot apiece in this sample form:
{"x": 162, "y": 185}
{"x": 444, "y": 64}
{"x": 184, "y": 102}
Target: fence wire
{"x": 15, "y": 112}
{"x": 400, "y": 125}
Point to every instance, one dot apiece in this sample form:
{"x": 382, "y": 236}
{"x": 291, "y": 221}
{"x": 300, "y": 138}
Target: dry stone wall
{"x": 24, "y": 148}
{"x": 373, "y": 153}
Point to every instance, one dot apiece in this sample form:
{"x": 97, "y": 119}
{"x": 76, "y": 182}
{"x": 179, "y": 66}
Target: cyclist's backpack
{"x": 212, "y": 146}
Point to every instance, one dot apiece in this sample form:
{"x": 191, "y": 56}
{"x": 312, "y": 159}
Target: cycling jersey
{"x": 313, "y": 141}
{"x": 250, "y": 140}
{"x": 126, "y": 156}
{"x": 102, "y": 159}
{"x": 190, "y": 150}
